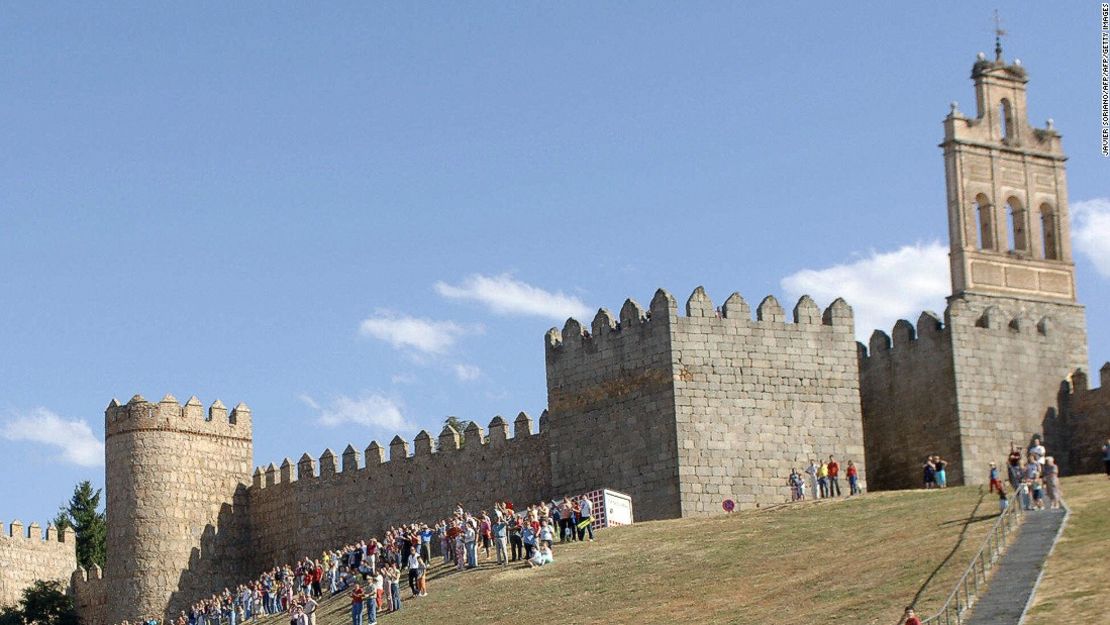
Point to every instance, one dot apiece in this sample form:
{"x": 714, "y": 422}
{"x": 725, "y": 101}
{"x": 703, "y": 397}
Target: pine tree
{"x": 460, "y": 426}
{"x": 90, "y": 525}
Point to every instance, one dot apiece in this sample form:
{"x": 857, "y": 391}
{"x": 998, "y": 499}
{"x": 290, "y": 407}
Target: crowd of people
{"x": 1039, "y": 473}
{"x": 822, "y": 480}
{"x": 372, "y": 570}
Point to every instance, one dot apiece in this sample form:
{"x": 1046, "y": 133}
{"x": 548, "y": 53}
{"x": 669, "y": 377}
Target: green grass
{"x": 1076, "y": 579}
{"x": 849, "y": 561}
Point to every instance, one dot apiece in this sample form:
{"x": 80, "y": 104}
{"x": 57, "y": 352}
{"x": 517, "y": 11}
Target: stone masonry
{"x": 25, "y": 556}
{"x": 679, "y": 411}
{"x": 989, "y": 377}
{"x": 177, "y": 480}
{"x": 698, "y": 409}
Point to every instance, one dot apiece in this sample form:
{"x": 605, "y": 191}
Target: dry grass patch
{"x": 1077, "y": 576}
{"x": 849, "y": 561}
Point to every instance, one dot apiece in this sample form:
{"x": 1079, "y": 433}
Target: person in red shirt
{"x": 853, "y": 479}
{"x": 357, "y": 597}
{"x": 911, "y": 618}
{"x": 834, "y": 477}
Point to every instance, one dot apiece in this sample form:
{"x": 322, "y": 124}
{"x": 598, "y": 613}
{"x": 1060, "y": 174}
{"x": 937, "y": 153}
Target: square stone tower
{"x": 1017, "y": 330}
{"x": 990, "y": 373}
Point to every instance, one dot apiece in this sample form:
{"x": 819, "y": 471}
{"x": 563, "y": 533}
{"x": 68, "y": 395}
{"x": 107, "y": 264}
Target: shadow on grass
{"x": 967, "y": 523}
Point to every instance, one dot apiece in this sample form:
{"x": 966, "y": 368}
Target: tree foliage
{"x": 88, "y": 522}
{"x": 460, "y": 426}
{"x": 42, "y": 603}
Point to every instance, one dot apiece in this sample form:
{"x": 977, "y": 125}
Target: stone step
{"x": 1015, "y": 575}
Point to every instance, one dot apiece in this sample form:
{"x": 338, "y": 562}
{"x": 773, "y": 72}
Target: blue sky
{"x": 360, "y": 219}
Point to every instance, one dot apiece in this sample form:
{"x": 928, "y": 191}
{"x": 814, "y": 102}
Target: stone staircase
{"x": 1016, "y": 574}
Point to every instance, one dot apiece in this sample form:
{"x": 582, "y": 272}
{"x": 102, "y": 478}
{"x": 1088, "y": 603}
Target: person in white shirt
{"x": 585, "y": 510}
{"x": 1037, "y": 450}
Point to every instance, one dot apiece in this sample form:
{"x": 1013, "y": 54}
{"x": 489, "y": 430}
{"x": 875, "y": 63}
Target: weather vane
{"x": 998, "y": 33}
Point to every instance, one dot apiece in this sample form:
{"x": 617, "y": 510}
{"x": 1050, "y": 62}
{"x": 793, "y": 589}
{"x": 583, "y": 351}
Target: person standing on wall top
{"x": 834, "y": 477}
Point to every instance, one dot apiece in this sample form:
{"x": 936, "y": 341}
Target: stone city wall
{"x": 26, "y": 556}
{"x": 755, "y": 398}
{"x": 611, "y": 397}
{"x": 1086, "y": 423}
{"x": 908, "y": 400}
{"x": 1010, "y": 357}
{"x": 300, "y": 510}
{"x": 90, "y": 595}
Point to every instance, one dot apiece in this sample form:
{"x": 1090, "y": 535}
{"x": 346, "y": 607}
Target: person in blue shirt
{"x": 500, "y": 539}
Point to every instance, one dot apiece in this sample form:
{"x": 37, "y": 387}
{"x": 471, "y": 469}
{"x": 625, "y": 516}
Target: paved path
{"x": 1015, "y": 574}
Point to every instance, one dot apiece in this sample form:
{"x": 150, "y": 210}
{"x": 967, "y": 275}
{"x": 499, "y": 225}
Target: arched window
{"x": 1048, "y": 232}
{"x": 984, "y": 228}
{"x": 1016, "y": 231}
{"x": 1005, "y": 118}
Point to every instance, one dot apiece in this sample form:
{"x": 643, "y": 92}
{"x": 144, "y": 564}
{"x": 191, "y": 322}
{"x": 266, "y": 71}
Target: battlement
{"x": 930, "y": 327}
{"x": 86, "y": 576}
{"x": 33, "y": 532}
{"x": 28, "y": 555}
{"x": 448, "y": 445}
{"x": 168, "y": 415}
{"x": 663, "y": 312}
{"x": 1079, "y": 384}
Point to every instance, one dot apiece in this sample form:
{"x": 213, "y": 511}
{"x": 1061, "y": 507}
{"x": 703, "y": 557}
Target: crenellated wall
{"x": 300, "y": 509}
{"x": 967, "y": 389}
{"x": 908, "y": 399}
{"x": 1086, "y": 415}
{"x": 611, "y": 397}
{"x": 1009, "y": 358}
{"x": 176, "y": 484}
{"x": 685, "y": 412}
{"x": 757, "y": 397}
{"x": 90, "y": 595}
{"x": 26, "y": 555}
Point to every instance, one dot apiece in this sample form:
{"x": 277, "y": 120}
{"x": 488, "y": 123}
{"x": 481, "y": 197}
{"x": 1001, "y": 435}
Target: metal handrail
{"x": 965, "y": 593}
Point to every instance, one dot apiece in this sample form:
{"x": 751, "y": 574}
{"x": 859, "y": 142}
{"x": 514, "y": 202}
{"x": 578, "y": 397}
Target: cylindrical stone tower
{"x": 178, "y": 523}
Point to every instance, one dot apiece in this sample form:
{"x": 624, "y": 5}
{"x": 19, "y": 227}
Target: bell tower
{"x": 1015, "y": 328}
{"x": 1007, "y": 193}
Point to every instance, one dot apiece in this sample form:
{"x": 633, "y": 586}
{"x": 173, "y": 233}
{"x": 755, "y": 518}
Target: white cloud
{"x": 370, "y": 410}
{"x": 405, "y": 332}
{"x": 75, "y": 438}
{"x": 882, "y": 287}
{"x": 1091, "y": 232}
{"x": 466, "y": 373}
{"x": 506, "y": 295}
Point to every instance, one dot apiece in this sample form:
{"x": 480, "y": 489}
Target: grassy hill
{"x": 1077, "y": 575}
{"x": 846, "y": 561}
